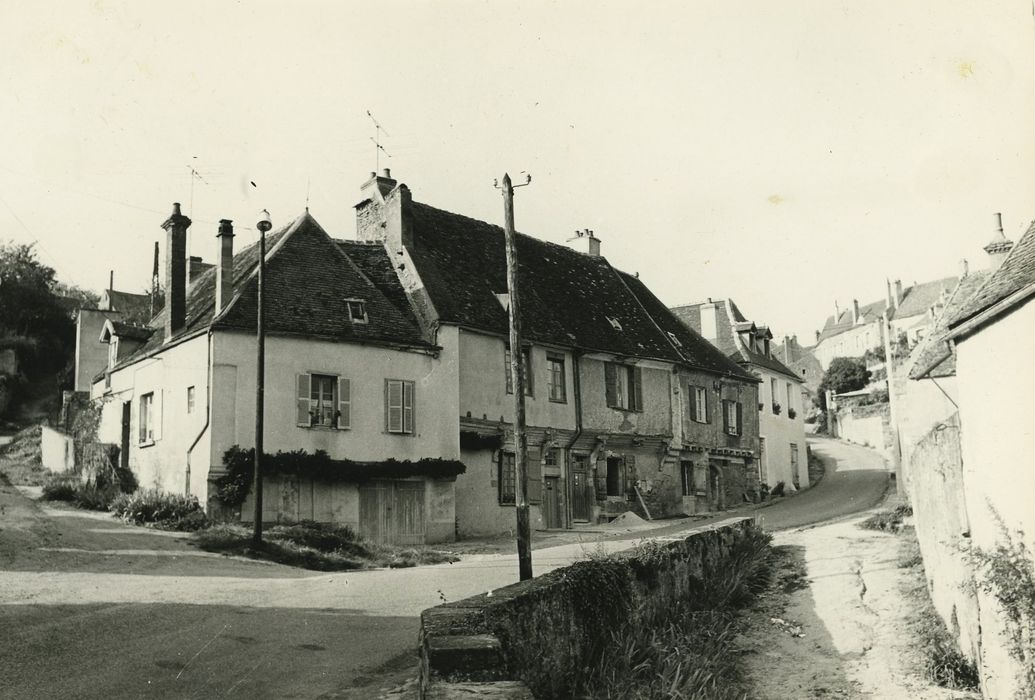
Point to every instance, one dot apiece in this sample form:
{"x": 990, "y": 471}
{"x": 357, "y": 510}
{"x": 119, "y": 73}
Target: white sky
{"x": 784, "y": 154}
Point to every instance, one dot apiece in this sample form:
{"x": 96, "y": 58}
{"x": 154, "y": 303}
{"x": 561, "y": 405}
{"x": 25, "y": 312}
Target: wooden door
{"x": 553, "y": 500}
{"x": 392, "y": 512}
{"x": 408, "y": 512}
{"x": 127, "y": 407}
{"x": 581, "y": 492}
{"x": 374, "y": 522}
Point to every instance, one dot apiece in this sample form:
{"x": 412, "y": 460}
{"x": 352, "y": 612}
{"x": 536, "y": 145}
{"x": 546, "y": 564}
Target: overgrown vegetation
{"x": 683, "y": 652}
{"x": 844, "y": 374}
{"x": 88, "y": 496}
{"x": 316, "y": 546}
{"x": 888, "y": 520}
{"x": 1008, "y": 572}
{"x": 21, "y": 460}
{"x": 940, "y": 660}
{"x": 233, "y": 487}
{"x": 166, "y": 511}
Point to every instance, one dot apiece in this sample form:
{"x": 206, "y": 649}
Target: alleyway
{"x": 90, "y": 606}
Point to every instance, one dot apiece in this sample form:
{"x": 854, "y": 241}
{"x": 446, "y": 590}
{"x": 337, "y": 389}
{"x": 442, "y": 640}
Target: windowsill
{"x": 400, "y": 434}
{"x": 327, "y": 428}
{"x": 699, "y": 422}
{"x": 558, "y": 400}
{"x": 149, "y": 443}
{"x": 626, "y": 410}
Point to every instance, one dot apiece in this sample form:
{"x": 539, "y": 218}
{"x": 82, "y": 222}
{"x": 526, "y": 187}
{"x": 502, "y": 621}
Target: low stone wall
{"x": 866, "y": 425}
{"x": 526, "y": 638}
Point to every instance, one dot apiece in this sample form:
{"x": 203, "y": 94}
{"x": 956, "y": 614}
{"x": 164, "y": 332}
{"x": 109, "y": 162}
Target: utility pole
{"x": 264, "y": 225}
{"x": 517, "y": 372}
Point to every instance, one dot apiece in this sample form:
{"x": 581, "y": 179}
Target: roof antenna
{"x": 378, "y": 148}
{"x": 307, "y": 183}
{"x": 193, "y": 174}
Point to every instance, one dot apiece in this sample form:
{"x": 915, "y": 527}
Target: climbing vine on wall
{"x": 233, "y": 487}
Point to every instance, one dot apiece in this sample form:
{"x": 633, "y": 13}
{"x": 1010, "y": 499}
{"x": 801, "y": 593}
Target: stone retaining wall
{"x": 528, "y": 637}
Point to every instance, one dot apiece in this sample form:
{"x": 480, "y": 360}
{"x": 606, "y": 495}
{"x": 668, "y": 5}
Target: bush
{"x": 60, "y": 489}
{"x": 323, "y": 537}
{"x": 778, "y": 489}
{"x": 887, "y": 520}
{"x": 71, "y": 490}
{"x": 844, "y": 374}
{"x": 150, "y": 506}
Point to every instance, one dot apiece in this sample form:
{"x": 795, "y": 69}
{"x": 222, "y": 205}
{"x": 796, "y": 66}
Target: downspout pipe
{"x": 208, "y": 416}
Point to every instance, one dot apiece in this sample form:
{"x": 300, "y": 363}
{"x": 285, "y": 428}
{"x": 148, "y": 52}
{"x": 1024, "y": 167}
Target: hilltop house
{"x": 611, "y": 374}
{"x": 91, "y": 351}
{"x": 854, "y": 331}
{"x": 393, "y": 348}
{"x": 781, "y": 409}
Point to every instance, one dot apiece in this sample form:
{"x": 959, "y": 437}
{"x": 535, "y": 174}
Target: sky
{"x": 785, "y": 155}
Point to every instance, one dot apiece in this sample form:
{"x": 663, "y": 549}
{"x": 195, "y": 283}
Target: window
{"x": 552, "y": 457}
{"x": 113, "y": 352}
{"x": 146, "y": 418}
{"x": 357, "y": 310}
{"x": 614, "y": 476}
{"x": 398, "y": 406}
{"x": 686, "y": 471}
{"x": 794, "y": 464}
{"x": 698, "y": 404}
{"x": 623, "y": 386}
{"x": 507, "y": 479}
{"x": 773, "y": 394}
{"x": 731, "y": 417}
{"x": 790, "y": 398}
{"x": 614, "y": 323}
{"x": 526, "y": 357}
{"x": 555, "y": 382}
{"x": 324, "y": 401}
{"x": 190, "y": 399}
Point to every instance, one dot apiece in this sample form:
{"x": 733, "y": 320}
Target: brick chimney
{"x": 855, "y": 311}
{"x": 175, "y": 271}
{"x": 999, "y": 247}
{"x": 195, "y": 267}
{"x": 585, "y": 242}
{"x": 224, "y": 264}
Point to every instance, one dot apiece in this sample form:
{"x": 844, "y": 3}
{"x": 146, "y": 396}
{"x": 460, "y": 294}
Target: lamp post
{"x": 263, "y": 225}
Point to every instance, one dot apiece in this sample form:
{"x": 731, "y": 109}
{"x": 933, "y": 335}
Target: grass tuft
{"x": 887, "y": 520}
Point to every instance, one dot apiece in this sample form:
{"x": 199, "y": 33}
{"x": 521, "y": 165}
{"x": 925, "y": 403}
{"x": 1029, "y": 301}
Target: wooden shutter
{"x": 611, "y": 383}
{"x": 636, "y": 389}
{"x": 141, "y": 420}
{"x": 344, "y": 403}
{"x": 535, "y": 476}
{"x": 725, "y": 417}
{"x": 740, "y": 419}
{"x": 691, "y": 391}
{"x": 156, "y": 421}
{"x": 302, "y": 401}
{"x": 630, "y": 476}
{"x": 393, "y": 405}
{"x": 600, "y": 481}
{"x": 407, "y": 407}
{"x": 704, "y": 406}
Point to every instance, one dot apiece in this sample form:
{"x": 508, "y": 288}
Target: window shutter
{"x": 344, "y": 403}
{"x": 691, "y": 392}
{"x": 535, "y": 477}
{"x": 611, "y": 383}
{"x": 393, "y": 406}
{"x": 740, "y": 421}
{"x": 725, "y": 417}
{"x": 302, "y": 399}
{"x": 630, "y": 476}
{"x": 636, "y": 391}
{"x": 407, "y": 407}
{"x": 600, "y": 482}
{"x": 704, "y": 404}
{"x": 141, "y": 422}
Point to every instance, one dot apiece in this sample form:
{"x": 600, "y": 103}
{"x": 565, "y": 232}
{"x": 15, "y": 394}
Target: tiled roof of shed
{"x": 1015, "y": 273}
{"x": 567, "y": 298}
{"x": 933, "y": 357}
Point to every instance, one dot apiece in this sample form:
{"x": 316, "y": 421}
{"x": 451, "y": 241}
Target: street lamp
{"x": 263, "y": 225}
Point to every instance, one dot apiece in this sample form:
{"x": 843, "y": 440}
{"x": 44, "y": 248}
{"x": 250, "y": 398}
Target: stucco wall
{"x": 851, "y": 343}
{"x": 920, "y": 405}
{"x": 996, "y": 377}
{"x": 57, "y": 451}
{"x": 91, "y": 355}
{"x": 781, "y": 431}
{"x": 654, "y": 419}
{"x": 483, "y": 384}
{"x": 162, "y": 463}
{"x": 478, "y": 511}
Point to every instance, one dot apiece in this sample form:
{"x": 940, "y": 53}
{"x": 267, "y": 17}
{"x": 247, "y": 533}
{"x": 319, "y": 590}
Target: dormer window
{"x": 357, "y": 310}
{"x": 614, "y": 323}
{"x": 113, "y": 351}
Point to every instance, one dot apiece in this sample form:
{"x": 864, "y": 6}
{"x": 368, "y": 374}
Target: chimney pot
{"x": 964, "y": 268}
{"x": 224, "y": 265}
{"x": 585, "y": 242}
{"x": 176, "y": 209}
{"x": 385, "y": 172}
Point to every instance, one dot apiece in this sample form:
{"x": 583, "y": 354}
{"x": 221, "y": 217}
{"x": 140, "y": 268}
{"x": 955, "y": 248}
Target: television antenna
{"x": 378, "y": 148}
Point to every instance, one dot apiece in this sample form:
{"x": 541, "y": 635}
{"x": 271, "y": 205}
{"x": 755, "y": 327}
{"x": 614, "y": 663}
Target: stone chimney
{"x": 889, "y": 298}
{"x": 855, "y": 311}
{"x": 585, "y": 242}
{"x": 898, "y": 294}
{"x": 175, "y": 271}
{"x": 999, "y": 247}
{"x": 370, "y": 212}
{"x": 837, "y": 311}
{"x": 710, "y": 320}
{"x": 224, "y": 264}
{"x": 817, "y": 336}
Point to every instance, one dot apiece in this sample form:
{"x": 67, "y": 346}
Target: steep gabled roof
{"x": 933, "y": 357}
{"x": 135, "y": 306}
{"x": 921, "y": 297}
{"x": 868, "y": 313}
{"x": 373, "y": 260}
{"x": 308, "y": 280}
{"x": 690, "y": 314}
{"x": 1016, "y": 273}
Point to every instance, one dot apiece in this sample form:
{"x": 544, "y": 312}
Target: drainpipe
{"x": 577, "y": 387}
{"x": 208, "y": 416}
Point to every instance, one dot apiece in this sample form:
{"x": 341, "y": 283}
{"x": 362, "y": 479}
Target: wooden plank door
{"x": 374, "y": 522}
{"x": 581, "y": 492}
{"x": 407, "y": 512}
{"x": 552, "y": 501}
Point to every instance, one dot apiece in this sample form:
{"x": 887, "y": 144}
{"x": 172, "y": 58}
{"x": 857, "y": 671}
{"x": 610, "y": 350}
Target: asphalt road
{"x": 92, "y": 609}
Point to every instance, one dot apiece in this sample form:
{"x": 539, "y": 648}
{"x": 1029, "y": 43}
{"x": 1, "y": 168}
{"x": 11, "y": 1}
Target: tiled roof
{"x": 933, "y": 357}
{"x": 869, "y": 313}
{"x": 1015, "y": 273}
{"x": 136, "y": 307}
{"x": 308, "y": 279}
{"x": 129, "y": 330}
{"x": 373, "y": 261}
{"x": 567, "y": 298}
{"x": 921, "y": 297}
{"x": 691, "y": 315}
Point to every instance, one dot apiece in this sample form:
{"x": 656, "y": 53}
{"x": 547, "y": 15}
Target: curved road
{"x": 108, "y": 611}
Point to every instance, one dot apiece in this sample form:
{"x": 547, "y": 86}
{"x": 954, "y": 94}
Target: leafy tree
{"x": 844, "y": 374}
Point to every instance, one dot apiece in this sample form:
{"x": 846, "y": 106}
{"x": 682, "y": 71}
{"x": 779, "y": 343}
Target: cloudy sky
{"x": 784, "y": 154}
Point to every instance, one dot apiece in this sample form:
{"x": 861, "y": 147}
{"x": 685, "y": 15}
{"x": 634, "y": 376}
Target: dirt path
{"x": 836, "y": 624}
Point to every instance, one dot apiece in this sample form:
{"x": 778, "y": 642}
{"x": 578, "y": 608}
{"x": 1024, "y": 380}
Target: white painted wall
{"x": 851, "y": 343}
{"x": 781, "y": 431}
{"x": 162, "y": 463}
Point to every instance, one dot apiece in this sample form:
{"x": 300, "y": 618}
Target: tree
{"x": 844, "y": 374}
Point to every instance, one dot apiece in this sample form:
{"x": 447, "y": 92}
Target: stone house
{"x": 607, "y": 363}
{"x": 781, "y": 404}
{"x": 970, "y": 475}
{"x": 346, "y": 373}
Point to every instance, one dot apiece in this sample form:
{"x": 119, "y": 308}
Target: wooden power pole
{"x": 264, "y": 225}
{"x": 517, "y": 372}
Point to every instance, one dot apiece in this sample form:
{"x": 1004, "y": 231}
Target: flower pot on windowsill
{"x": 776, "y": 409}
{"x": 791, "y": 413}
